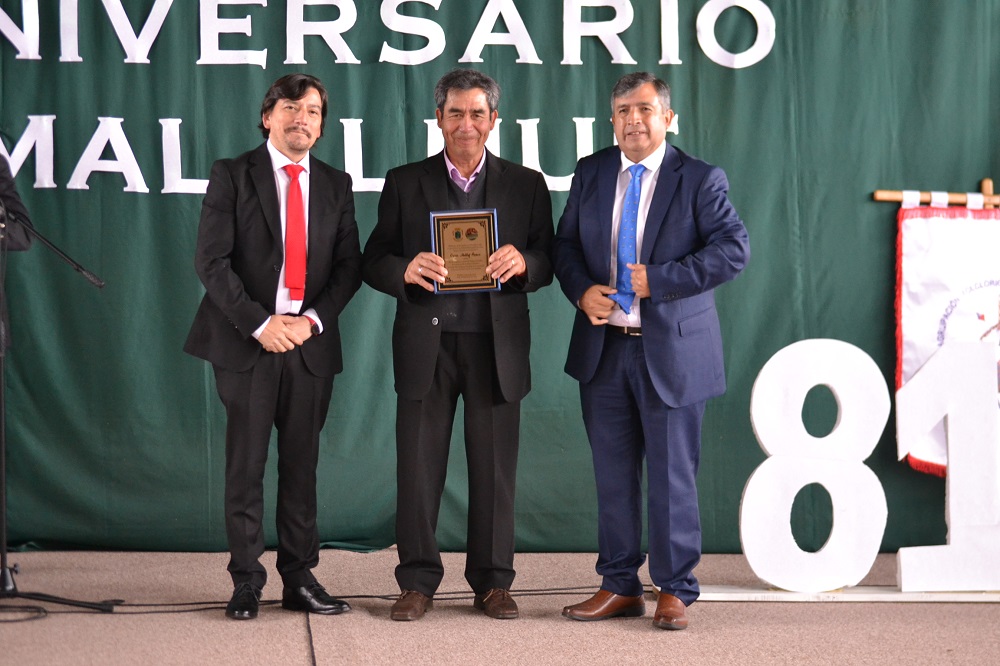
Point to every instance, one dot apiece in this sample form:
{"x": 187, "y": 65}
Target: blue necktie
{"x": 626, "y": 239}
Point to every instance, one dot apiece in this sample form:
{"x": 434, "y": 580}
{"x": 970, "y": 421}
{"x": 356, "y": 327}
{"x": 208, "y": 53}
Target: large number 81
{"x": 958, "y": 384}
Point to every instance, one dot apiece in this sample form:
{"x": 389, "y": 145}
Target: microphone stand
{"x": 8, "y": 589}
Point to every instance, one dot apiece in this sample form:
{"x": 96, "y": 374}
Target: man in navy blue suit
{"x": 647, "y": 234}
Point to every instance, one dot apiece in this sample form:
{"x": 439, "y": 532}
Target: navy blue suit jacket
{"x": 693, "y": 242}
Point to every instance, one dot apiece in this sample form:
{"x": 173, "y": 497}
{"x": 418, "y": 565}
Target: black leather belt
{"x": 626, "y": 330}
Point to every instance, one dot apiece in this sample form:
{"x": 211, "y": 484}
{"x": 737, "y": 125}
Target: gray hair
{"x": 467, "y": 79}
{"x": 630, "y": 82}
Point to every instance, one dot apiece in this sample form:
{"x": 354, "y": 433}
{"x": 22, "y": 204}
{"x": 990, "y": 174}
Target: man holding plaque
{"x": 647, "y": 234}
{"x": 460, "y": 329}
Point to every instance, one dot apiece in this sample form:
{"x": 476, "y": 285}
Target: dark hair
{"x": 630, "y": 82}
{"x": 293, "y": 87}
{"x": 467, "y": 79}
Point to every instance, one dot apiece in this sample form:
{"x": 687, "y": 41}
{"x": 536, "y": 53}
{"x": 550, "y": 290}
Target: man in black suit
{"x": 279, "y": 256}
{"x": 13, "y": 215}
{"x": 15, "y": 236}
{"x": 450, "y": 344}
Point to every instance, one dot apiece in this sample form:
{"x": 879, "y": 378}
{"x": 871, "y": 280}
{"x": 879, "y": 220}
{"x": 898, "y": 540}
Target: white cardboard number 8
{"x": 798, "y": 459}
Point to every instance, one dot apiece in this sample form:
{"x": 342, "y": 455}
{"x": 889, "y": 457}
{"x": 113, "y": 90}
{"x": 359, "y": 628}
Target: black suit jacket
{"x": 16, "y": 237}
{"x": 240, "y": 254}
{"x": 524, "y": 218}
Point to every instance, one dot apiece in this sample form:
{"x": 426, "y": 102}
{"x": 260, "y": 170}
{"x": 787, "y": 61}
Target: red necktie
{"x": 295, "y": 237}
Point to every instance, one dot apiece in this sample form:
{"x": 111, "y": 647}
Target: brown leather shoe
{"x": 497, "y": 604}
{"x": 411, "y": 605}
{"x": 604, "y": 605}
{"x": 671, "y": 613}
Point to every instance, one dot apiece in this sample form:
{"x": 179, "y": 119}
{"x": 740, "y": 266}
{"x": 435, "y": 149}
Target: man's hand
{"x": 302, "y": 327}
{"x": 505, "y": 263}
{"x": 596, "y": 304}
{"x": 282, "y": 333}
{"x": 425, "y": 266}
{"x": 640, "y": 284}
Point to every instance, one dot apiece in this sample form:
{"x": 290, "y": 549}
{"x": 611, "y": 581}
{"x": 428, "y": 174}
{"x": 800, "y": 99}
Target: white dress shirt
{"x": 283, "y": 304}
{"x": 619, "y": 317}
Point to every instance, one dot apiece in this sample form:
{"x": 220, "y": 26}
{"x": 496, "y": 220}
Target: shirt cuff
{"x": 260, "y": 329}
{"x": 311, "y": 314}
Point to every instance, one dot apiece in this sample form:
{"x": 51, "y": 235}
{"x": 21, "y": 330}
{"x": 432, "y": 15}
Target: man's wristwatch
{"x": 313, "y": 326}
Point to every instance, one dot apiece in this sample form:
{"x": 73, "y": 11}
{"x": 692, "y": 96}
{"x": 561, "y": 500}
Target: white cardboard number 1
{"x": 958, "y": 384}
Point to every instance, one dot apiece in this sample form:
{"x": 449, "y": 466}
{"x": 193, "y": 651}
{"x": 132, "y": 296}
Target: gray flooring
{"x": 173, "y": 614}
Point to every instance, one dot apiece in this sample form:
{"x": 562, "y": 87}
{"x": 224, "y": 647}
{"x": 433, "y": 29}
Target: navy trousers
{"x": 626, "y": 423}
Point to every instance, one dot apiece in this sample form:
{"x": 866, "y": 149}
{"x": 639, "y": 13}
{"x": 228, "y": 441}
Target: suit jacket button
{"x": 277, "y": 268}
{"x": 434, "y": 321}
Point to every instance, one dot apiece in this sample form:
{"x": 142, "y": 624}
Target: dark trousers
{"x": 279, "y": 391}
{"x": 626, "y": 421}
{"x": 465, "y": 367}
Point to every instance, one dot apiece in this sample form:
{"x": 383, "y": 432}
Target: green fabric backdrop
{"x": 115, "y": 437}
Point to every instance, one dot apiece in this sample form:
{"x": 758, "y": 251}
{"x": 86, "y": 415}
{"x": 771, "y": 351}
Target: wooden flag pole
{"x": 990, "y": 200}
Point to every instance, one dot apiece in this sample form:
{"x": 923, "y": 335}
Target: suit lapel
{"x": 496, "y": 184}
{"x": 262, "y": 174}
{"x": 320, "y": 202}
{"x": 434, "y": 183}
{"x": 434, "y": 187}
{"x": 666, "y": 185}
{"x": 607, "y": 185}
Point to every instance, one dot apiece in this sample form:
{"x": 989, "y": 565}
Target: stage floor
{"x": 173, "y": 614}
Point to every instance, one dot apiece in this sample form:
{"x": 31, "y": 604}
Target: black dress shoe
{"x": 245, "y": 602}
{"x": 312, "y": 598}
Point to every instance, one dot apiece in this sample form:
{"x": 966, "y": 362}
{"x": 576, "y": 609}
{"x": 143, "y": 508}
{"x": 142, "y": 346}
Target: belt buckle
{"x": 631, "y": 331}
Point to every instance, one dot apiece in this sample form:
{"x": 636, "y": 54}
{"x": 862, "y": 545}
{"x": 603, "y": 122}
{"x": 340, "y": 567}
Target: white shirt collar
{"x": 652, "y": 161}
{"x": 279, "y": 160}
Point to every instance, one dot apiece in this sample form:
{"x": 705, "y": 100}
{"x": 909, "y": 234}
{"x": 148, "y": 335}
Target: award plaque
{"x": 465, "y": 239}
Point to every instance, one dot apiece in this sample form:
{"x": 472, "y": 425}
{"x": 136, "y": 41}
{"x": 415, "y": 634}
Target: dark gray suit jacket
{"x": 524, "y": 218}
